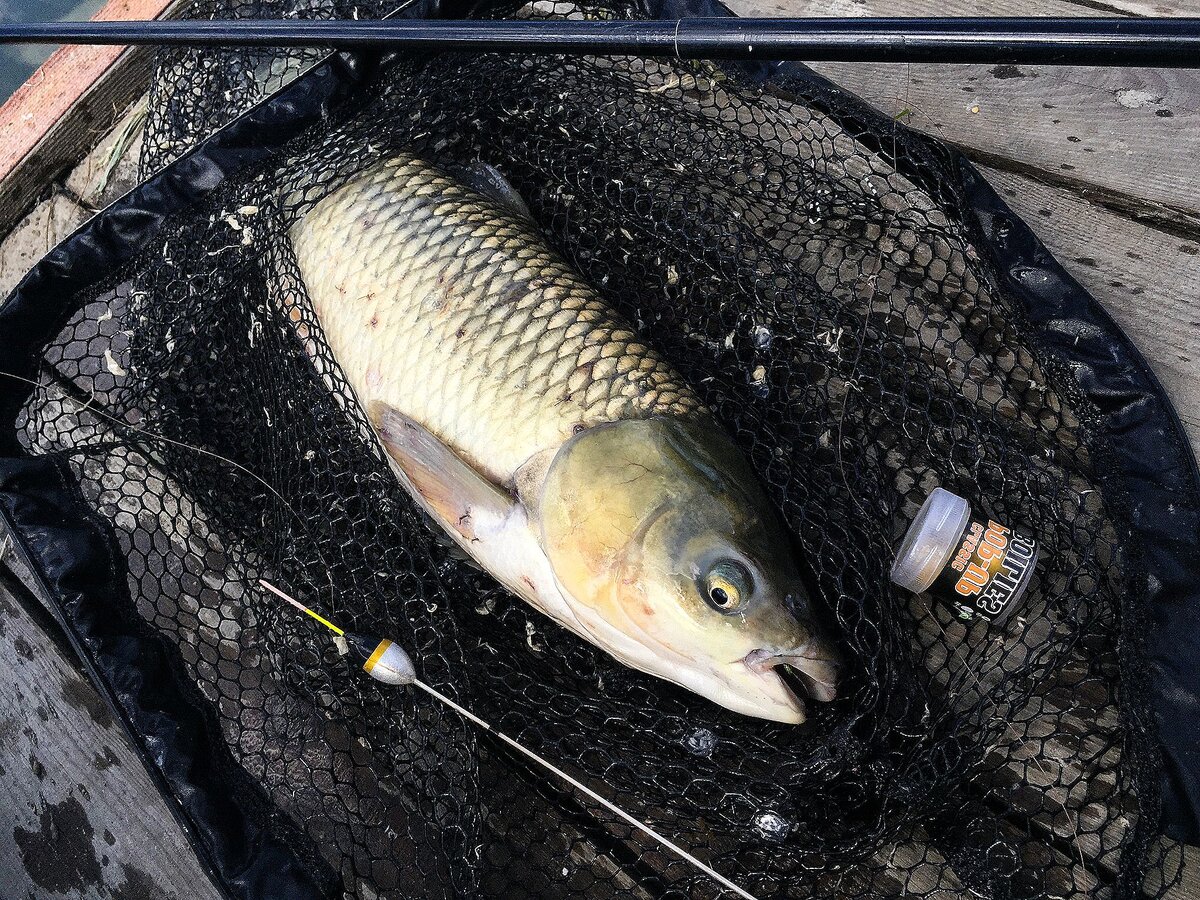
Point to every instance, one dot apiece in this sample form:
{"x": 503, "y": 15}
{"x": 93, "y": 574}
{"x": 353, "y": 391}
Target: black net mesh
{"x": 813, "y": 277}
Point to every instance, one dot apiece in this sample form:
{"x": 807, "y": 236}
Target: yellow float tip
{"x": 300, "y": 606}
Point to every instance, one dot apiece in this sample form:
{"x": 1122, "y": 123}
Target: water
{"x": 18, "y": 62}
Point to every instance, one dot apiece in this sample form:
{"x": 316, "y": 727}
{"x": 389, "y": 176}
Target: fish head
{"x": 674, "y": 561}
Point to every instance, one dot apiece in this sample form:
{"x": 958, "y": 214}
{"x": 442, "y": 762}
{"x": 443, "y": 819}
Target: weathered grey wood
{"x": 111, "y": 168}
{"x": 1126, "y": 132}
{"x": 1140, "y": 8}
{"x": 1147, "y": 279}
{"x": 971, "y": 8}
{"x": 1188, "y": 886}
{"x": 68, "y": 104}
{"x": 48, "y": 223}
{"x": 1122, "y": 132}
{"x": 79, "y": 816}
{"x": 101, "y": 176}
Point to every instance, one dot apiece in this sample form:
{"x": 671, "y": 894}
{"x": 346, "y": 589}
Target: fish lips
{"x": 816, "y": 665}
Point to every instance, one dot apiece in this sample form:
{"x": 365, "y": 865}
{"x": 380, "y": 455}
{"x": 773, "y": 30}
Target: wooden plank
{"x": 1126, "y": 134}
{"x": 79, "y": 815}
{"x": 104, "y": 174}
{"x": 35, "y": 235}
{"x": 1145, "y": 278}
{"x": 903, "y": 8}
{"x": 111, "y": 169}
{"x": 1188, "y": 885}
{"x": 1140, "y": 8}
{"x": 1131, "y": 134}
{"x": 66, "y": 106}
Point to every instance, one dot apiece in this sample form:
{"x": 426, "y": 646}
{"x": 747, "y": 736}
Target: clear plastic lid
{"x": 931, "y": 540}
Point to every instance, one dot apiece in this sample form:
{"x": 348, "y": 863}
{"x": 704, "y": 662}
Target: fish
{"x": 559, "y": 450}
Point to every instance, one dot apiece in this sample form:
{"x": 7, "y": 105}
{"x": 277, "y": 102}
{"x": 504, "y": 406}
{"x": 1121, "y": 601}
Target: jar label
{"x": 987, "y": 572}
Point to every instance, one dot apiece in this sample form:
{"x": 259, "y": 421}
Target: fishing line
{"x": 381, "y": 646}
{"x": 81, "y": 407}
{"x": 87, "y": 407}
{"x": 340, "y": 632}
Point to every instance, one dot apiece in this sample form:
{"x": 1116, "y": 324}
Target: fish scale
{"x": 441, "y": 303}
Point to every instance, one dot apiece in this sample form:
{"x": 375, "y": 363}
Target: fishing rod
{"x": 1158, "y": 42}
{"x": 387, "y": 662}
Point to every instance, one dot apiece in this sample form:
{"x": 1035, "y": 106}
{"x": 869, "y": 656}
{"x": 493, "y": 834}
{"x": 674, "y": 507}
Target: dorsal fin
{"x": 487, "y": 180}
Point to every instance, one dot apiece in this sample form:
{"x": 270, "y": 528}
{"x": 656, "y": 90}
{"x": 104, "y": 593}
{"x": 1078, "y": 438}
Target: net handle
{"x": 1157, "y": 42}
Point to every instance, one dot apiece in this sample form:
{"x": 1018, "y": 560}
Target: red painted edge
{"x": 41, "y": 102}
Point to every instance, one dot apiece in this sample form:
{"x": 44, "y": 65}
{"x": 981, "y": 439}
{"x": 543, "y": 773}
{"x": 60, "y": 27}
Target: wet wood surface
{"x": 1100, "y": 163}
{"x": 69, "y": 103}
{"x": 79, "y": 815}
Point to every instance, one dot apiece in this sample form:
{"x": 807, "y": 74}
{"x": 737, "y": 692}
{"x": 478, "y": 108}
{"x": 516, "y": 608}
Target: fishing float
{"x": 387, "y": 662}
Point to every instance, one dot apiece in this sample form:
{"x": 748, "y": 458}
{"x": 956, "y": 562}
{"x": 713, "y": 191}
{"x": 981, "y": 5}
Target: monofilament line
{"x": 583, "y": 788}
{"x": 544, "y": 763}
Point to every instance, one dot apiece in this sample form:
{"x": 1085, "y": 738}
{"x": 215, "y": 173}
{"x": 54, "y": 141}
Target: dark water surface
{"x": 18, "y": 63}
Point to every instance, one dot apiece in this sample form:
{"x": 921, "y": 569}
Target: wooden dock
{"x": 1102, "y": 164}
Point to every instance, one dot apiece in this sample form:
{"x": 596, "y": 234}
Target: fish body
{"x": 426, "y": 292}
{"x": 559, "y": 450}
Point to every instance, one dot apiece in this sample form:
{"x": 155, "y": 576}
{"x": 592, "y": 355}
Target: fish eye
{"x": 727, "y": 587}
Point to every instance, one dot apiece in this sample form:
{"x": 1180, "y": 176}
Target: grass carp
{"x": 559, "y": 450}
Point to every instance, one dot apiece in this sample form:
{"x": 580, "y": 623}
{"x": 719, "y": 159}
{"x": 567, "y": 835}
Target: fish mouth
{"x": 815, "y": 665}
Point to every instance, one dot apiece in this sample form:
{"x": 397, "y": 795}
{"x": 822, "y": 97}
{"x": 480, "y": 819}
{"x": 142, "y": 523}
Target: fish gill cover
{"x": 815, "y": 279}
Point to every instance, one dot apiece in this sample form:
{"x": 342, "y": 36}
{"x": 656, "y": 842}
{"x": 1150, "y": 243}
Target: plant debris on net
{"x": 814, "y": 277}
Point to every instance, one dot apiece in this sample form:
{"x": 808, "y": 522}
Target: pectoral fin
{"x": 454, "y": 493}
{"x": 485, "y": 520}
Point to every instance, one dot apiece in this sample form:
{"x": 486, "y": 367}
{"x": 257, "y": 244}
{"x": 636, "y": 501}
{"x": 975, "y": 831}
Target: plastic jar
{"x": 978, "y": 566}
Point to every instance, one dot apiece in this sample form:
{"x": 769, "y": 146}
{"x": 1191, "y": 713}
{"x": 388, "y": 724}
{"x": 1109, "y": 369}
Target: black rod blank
{"x": 1050, "y": 41}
